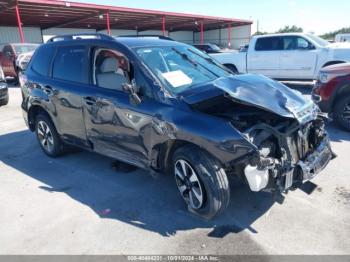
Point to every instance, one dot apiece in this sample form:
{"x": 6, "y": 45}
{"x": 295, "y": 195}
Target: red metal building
{"x": 47, "y": 14}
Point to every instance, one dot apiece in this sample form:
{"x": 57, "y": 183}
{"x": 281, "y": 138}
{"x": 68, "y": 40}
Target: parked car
{"x": 208, "y": 48}
{"x": 292, "y": 56}
{"x": 332, "y": 93}
{"x": 21, "y": 63}
{"x": 9, "y": 55}
{"x": 4, "y": 95}
{"x": 165, "y": 106}
{"x": 23, "y": 60}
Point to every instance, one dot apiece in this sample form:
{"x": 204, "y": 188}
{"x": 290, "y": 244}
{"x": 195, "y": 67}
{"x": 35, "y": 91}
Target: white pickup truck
{"x": 292, "y": 56}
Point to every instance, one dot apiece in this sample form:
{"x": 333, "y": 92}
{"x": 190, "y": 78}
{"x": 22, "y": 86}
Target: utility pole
{"x": 257, "y": 26}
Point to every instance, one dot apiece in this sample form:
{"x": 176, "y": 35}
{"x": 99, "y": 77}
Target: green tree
{"x": 290, "y": 29}
{"x": 331, "y": 35}
{"x": 260, "y": 33}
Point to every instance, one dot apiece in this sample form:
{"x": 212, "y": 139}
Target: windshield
{"x": 215, "y": 48}
{"x": 180, "y": 68}
{"x": 319, "y": 40}
{"x": 20, "y": 49}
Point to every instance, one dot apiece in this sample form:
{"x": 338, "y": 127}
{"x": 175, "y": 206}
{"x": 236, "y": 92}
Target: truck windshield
{"x": 20, "y": 48}
{"x": 319, "y": 40}
{"x": 180, "y": 67}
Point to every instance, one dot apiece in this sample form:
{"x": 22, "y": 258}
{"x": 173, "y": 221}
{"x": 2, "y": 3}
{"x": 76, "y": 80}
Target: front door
{"x": 115, "y": 126}
{"x": 298, "y": 58}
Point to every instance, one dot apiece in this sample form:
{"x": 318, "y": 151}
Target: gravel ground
{"x": 80, "y": 204}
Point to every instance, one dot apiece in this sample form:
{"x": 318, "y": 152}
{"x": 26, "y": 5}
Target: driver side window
{"x": 111, "y": 69}
{"x": 295, "y": 43}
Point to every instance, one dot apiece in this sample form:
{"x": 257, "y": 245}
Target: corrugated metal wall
{"x": 182, "y": 36}
{"x": 9, "y": 34}
{"x": 48, "y": 33}
{"x": 240, "y": 35}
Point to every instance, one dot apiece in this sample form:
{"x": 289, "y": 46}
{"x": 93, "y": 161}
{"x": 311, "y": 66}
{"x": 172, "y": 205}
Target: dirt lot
{"x": 80, "y": 204}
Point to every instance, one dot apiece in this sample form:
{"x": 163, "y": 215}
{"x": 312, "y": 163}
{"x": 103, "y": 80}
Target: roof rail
{"x": 150, "y": 36}
{"x": 80, "y": 36}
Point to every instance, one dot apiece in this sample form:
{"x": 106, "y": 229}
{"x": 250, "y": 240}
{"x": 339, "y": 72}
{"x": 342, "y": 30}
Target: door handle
{"x": 89, "y": 100}
{"x": 48, "y": 90}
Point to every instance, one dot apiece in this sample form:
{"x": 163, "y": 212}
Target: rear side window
{"x": 42, "y": 60}
{"x": 69, "y": 64}
{"x": 269, "y": 44}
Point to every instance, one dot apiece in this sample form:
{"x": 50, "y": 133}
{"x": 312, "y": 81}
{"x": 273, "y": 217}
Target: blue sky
{"x": 317, "y": 16}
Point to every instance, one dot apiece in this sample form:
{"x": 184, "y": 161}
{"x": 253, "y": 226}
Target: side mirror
{"x": 131, "y": 89}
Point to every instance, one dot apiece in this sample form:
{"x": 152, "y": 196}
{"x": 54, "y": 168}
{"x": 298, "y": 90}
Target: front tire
{"x": 202, "y": 181}
{"x": 47, "y": 136}
{"x": 342, "y": 112}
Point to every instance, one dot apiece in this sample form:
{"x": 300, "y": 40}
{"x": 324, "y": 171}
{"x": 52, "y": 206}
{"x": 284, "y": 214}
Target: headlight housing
{"x": 324, "y": 77}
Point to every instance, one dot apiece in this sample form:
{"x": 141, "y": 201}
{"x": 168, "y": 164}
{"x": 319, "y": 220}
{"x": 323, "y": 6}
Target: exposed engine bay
{"x": 288, "y": 150}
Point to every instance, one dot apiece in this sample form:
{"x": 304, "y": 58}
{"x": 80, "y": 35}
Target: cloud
{"x": 292, "y": 3}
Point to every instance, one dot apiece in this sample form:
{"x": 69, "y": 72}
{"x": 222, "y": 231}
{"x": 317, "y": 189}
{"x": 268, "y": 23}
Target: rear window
{"x": 69, "y": 64}
{"x": 42, "y": 60}
{"x": 269, "y": 44}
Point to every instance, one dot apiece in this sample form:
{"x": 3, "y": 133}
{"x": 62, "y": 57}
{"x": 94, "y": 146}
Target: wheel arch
{"x": 230, "y": 65}
{"x": 163, "y": 153}
{"x": 33, "y": 111}
{"x": 333, "y": 62}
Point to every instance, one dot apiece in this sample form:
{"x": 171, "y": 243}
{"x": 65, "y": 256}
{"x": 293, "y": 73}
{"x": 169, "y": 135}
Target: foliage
{"x": 290, "y": 29}
{"x": 331, "y": 35}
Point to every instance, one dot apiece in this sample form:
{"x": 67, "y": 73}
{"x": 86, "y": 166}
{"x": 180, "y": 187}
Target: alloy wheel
{"x": 45, "y": 136}
{"x": 188, "y": 183}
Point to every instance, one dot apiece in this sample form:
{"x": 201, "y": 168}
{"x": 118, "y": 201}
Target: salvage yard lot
{"x": 81, "y": 204}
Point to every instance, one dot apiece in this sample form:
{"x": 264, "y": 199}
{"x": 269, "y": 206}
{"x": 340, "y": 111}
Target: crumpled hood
{"x": 262, "y": 92}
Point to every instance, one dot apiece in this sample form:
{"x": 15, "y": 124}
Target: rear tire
{"x": 342, "y": 111}
{"x": 205, "y": 178}
{"x": 47, "y": 136}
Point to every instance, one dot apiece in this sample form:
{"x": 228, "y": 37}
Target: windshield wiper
{"x": 185, "y": 56}
{"x": 210, "y": 60}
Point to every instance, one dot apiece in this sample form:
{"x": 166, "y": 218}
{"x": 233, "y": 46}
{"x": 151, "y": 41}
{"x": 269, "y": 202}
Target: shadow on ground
{"x": 337, "y": 134}
{"x": 135, "y": 197}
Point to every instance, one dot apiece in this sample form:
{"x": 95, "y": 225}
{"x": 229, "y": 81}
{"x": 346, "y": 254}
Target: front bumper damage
{"x": 280, "y": 174}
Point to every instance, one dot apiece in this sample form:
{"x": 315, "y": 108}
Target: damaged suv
{"x": 168, "y": 107}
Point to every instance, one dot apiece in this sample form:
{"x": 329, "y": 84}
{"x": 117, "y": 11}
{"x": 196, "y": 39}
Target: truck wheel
{"x": 202, "y": 181}
{"x": 47, "y": 136}
{"x": 342, "y": 112}
{"x": 232, "y": 68}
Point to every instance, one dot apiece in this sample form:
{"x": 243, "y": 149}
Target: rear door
{"x": 298, "y": 58}
{"x": 264, "y": 57}
{"x": 69, "y": 81}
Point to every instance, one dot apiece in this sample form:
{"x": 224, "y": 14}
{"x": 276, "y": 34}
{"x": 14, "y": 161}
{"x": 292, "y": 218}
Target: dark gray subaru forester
{"x": 166, "y": 106}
